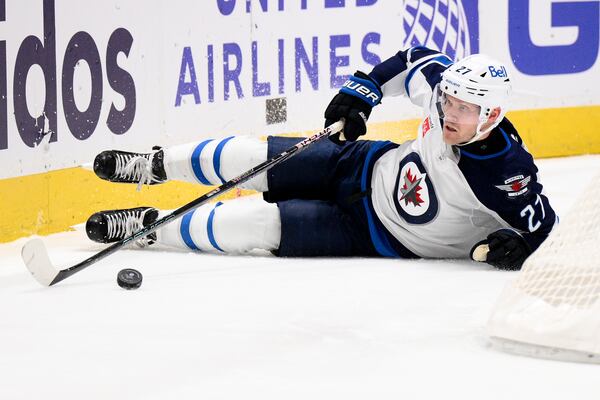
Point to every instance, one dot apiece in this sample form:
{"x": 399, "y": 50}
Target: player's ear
{"x": 494, "y": 114}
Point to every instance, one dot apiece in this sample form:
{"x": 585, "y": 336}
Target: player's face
{"x": 460, "y": 120}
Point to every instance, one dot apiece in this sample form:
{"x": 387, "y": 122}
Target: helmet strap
{"x": 483, "y": 118}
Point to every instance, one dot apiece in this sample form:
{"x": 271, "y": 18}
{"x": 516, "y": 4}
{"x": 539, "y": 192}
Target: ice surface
{"x": 258, "y": 327}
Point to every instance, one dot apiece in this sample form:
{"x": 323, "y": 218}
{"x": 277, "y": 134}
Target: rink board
{"x": 54, "y": 201}
{"x": 78, "y": 80}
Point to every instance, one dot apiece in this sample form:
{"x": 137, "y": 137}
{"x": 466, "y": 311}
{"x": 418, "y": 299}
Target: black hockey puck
{"x": 129, "y": 278}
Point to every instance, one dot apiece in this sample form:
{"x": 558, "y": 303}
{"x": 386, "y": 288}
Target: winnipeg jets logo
{"x": 411, "y": 189}
{"x": 515, "y": 186}
{"x": 414, "y": 194}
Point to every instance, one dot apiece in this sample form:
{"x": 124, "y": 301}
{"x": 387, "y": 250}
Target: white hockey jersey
{"x": 438, "y": 200}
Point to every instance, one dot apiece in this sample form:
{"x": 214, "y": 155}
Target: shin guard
{"x": 215, "y": 161}
{"x": 235, "y": 226}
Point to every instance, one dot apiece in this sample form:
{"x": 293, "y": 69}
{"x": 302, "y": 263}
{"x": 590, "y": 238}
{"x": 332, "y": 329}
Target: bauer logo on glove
{"x": 353, "y": 104}
{"x": 355, "y": 87}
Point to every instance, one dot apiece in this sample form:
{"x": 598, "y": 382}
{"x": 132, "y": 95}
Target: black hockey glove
{"x": 353, "y": 103}
{"x": 507, "y": 250}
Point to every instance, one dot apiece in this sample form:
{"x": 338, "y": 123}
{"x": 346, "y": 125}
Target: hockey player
{"x": 466, "y": 180}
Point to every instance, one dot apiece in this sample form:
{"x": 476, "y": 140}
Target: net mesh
{"x": 555, "y": 300}
{"x": 566, "y": 267}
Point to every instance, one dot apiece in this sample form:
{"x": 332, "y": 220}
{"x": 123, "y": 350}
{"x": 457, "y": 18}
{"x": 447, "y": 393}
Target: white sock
{"x": 215, "y": 161}
{"x": 234, "y": 226}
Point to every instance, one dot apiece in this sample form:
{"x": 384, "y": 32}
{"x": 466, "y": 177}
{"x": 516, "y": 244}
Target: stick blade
{"x": 35, "y": 257}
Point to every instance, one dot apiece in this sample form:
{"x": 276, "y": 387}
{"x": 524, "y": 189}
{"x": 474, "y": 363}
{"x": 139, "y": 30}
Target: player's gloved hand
{"x": 353, "y": 103}
{"x": 506, "y": 249}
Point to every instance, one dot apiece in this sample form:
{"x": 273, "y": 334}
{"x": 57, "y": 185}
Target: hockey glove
{"x": 353, "y": 103}
{"x": 507, "y": 250}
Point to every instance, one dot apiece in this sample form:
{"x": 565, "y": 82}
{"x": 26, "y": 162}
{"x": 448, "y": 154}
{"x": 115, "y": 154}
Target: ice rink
{"x": 258, "y": 327}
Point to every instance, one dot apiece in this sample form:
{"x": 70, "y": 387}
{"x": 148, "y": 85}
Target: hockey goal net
{"x": 552, "y": 309}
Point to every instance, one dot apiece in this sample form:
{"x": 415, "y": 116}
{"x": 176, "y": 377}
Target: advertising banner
{"x": 78, "y": 77}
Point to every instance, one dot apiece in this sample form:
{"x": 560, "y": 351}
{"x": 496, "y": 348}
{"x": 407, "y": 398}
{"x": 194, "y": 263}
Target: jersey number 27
{"x": 529, "y": 212}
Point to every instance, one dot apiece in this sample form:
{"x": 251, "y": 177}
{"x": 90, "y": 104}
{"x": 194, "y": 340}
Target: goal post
{"x": 552, "y": 308}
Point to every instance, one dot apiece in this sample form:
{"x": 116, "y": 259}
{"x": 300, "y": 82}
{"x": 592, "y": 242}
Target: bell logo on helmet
{"x": 498, "y": 72}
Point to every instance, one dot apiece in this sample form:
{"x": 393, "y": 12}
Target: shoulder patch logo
{"x": 515, "y": 186}
{"x": 414, "y": 194}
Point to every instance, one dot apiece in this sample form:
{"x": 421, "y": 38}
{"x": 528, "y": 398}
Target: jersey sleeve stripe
{"x": 417, "y": 52}
{"x": 441, "y": 60}
{"x": 400, "y": 62}
{"x": 388, "y": 69}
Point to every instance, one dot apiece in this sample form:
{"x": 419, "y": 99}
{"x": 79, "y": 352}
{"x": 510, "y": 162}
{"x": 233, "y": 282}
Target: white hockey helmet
{"x": 480, "y": 80}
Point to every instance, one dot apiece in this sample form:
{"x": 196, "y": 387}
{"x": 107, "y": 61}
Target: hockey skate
{"x": 127, "y": 167}
{"x": 114, "y": 225}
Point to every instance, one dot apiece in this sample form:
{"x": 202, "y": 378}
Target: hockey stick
{"x": 36, "y": 258}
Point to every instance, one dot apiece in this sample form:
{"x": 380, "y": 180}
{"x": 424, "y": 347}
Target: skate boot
{"x": 113, "y": 225}
{"x": 127, "y": 167}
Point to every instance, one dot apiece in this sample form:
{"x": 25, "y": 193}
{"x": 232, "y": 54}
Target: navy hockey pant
{"x": 321, "y": 197}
